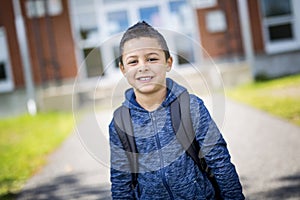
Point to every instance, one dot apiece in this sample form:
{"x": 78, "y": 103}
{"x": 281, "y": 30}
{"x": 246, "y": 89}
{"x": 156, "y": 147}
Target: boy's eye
{"x": 131, "y": 62}
{"x": 152, "y": 59}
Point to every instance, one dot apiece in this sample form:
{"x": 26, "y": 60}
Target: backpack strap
{"x": 124, "y": 128}
{"x": 182, "y": 124}
{"x": 183, "y": 128}
{"x": 185, "y": 133}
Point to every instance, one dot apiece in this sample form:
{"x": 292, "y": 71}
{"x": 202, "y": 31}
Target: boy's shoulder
{"x": 195, "y": 99}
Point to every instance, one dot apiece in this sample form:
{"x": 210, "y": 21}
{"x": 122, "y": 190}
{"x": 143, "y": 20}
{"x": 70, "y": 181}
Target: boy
{"x": 165, "y": 170}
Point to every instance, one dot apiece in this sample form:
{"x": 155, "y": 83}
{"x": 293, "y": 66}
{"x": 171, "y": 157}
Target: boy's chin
{"x": 147, "y": 89}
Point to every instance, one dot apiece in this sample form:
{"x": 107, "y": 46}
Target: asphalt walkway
{"x": 265, "y": 150}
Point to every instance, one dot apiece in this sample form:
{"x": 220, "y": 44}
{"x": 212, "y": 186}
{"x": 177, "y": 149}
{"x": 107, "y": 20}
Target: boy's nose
{"x": 143, "y": 67}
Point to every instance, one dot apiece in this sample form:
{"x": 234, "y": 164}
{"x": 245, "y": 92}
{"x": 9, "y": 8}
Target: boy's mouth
{"x": 145, "y": 78}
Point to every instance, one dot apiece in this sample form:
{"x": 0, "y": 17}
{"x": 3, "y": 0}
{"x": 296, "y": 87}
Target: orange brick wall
{"x": 256, "y": 26}
{"x": 222, "y": 44}
{"x": 63, "y": 41}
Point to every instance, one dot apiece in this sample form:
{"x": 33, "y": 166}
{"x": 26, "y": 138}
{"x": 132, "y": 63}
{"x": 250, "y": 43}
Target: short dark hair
{"x": 143, "y": 29}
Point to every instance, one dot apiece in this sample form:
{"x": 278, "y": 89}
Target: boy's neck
{"x": 151, "y": 102}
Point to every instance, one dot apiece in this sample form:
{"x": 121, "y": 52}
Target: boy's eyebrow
{"x": 131, "y": 57}
{"x": 151, "y": 53}
{"x": 148, "y": 54}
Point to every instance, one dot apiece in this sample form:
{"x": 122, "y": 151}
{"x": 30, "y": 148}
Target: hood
{"x": 173, "y": 91}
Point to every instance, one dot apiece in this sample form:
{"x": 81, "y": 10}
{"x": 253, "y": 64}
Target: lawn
{"x": 280, "y": 97}
{"x": 25, "y": 142}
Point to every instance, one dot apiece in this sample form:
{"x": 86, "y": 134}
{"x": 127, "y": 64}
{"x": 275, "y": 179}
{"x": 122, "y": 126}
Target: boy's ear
{"x": 121, "y": 66}
{"x": 169, "y": 63}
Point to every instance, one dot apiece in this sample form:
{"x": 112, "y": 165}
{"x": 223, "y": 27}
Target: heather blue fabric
{"x": 165, "y": 170}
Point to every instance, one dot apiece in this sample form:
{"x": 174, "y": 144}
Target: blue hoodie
{"x": 165, "y": 170}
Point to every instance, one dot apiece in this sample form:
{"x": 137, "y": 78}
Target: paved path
{"x": 73, "y": 172}
{"x": 265, "y": 150}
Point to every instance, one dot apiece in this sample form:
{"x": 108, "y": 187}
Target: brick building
{"x": 63, "y": 37}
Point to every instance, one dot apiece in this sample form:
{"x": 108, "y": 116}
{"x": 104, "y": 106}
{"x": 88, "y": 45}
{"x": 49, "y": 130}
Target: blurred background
{"x": 48, "y": 46}
{"x": 45, "y": 43}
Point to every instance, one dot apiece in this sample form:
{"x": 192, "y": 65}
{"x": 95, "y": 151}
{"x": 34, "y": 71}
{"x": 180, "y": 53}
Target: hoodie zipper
{"x": 162, "y": 171}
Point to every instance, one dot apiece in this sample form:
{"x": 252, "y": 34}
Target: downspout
{"x": 23, "y": 45}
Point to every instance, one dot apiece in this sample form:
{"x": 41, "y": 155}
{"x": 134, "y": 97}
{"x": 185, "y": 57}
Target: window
{"x": 6, "y": 82}
{"x": 93, "y": 62}
{"x": 117, "y": 21}
{"x": 273, "y": 8}
{"x": 88, "y": 26}
{"x": 3, "y": 75}
{"x": 181, "y": 20}
{"x": 102, "y": 21}
{"x": 185, "y": 52}
{"x": 150, "y": 15}
{"x": 178, "y": 11}
{"x": 112, "y": 1}
{"x": 88, "y": 31}
{"x": 39, "y": 8}
{"x": 280, "y": 32}
{"x": 116, "y": 55}
{"x": 86, "y": 21}
{"x": 279, "y": 25}
{"x": 203, "y": 3}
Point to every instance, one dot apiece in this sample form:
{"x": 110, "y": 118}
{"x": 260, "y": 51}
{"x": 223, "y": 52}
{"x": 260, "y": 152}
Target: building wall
{"x": 222, "y": 44}
{"x": 267, "y": 64}
{"x": 278, "y": 65}
{"x": 51, "y": 45}
{"x": 256, "y": 27}
{"x": 40, "y": 48}
{"x": 7, "y": 20}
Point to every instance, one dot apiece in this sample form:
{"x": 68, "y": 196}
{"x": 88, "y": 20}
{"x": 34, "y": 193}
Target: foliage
{"x": 25, "y": 142}
{"x": 280, "y": 97}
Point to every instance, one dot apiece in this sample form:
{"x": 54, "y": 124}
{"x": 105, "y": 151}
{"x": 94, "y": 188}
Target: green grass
{"x": 25, "y": 142}
{"x": 280, "y": 97}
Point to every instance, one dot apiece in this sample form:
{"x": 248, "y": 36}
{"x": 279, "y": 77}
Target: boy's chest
{"x": 152, "y": 134}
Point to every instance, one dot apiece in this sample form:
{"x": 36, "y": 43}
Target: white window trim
{"x": 284, "y": 45}
{"x": 8, "y": 84}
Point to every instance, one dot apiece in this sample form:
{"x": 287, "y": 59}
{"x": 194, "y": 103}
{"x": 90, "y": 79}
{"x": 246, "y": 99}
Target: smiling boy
{"x": 165, "y": 170}
{"x": 145, "y": 66}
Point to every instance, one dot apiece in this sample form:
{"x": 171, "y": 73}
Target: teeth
{"x": 145, "y": 78}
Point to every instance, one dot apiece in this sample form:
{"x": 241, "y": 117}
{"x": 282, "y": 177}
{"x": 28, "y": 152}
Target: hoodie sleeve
{"x": 215, "y": 151}
{"x": 120, "y": 175}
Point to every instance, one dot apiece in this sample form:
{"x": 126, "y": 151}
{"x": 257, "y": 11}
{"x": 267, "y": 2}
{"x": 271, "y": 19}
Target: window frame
{"x": 281, "y": 45}
{"x": 7, "y": 84}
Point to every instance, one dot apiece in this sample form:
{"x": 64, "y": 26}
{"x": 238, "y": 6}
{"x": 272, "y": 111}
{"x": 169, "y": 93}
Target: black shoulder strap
{"x": 123, "y": 125}
{"x": 185, "y": 133}
{"x": 182, "y": 124}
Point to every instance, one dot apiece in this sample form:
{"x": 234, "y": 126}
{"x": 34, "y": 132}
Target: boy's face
{"x": 145, "y": 65}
